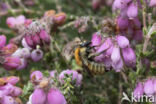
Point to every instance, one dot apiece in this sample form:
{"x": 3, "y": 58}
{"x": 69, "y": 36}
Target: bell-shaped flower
{"x": 12, "y": 63}
{"x": 148, "y": 87}
{"x": 122, "y": 41}
{"x": 55, "y": 97}
{"x": 139, "y": 90}
{"x": 37, "y": 55}
{"x": 39, "y": 96}
{"x": 129, "y": 56}
{"x": 132, "y": 11}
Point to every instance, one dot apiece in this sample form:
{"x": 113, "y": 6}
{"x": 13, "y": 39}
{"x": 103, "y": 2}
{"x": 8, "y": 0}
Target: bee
{"x": 84, "y": 58}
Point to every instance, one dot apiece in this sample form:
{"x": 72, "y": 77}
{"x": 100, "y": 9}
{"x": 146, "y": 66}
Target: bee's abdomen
{"x": 94, "y": 67}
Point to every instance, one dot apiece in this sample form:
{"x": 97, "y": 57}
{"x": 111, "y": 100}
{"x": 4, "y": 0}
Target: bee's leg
{"x": 92, "y": 55}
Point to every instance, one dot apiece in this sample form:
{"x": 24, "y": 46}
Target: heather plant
{"x": 77, "y": 52}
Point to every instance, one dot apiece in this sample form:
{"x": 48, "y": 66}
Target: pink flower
{"x": 152, "y": 3}
{"x": 36, "y": 39}
{"x": 122, "y": 23}
{"x": 148, "y": 87}
{"x": 37, "y": 55}
{"x": 12, "y": 21}
{"x": 96, "y": 39}
{"x": 38, "y": 96}
{"x": 107, "y": 43}
{"x": 29, "y": 41}
{"x": 44, "y": 36}
{"x": 12, "y": 80}
{"x": 55, "y": 97}
{"x": 129, "y": 57}
{"x": 139, "y": 90}
{"x": 138, "y": 35}
{"x": 96, "y": 4}
{"x": 120, "y": 4}
{"x": 12, "y": 63}
{"x": 36, "y": 76}
{"x": 115, "y": 56}
{"x": 9, "y": 49}
{"x": 2, "y": 41}
{"x": 132, "y": 11}
{"x": 122, "y": 41}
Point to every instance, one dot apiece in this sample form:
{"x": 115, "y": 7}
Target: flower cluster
{"x": 128, "y": 22}
{"x": 13, "y": 57}
{"x": 45, "y": 91}
{"x": 115, "y": 51}
{"x": 147, "y": 87}
{"x": 9, "y": 93}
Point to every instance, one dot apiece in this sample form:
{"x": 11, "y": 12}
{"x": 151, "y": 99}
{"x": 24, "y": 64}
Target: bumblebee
{"x": 84, "y": 58}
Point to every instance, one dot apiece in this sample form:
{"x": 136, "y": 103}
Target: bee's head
{"x": 85, "y": 44}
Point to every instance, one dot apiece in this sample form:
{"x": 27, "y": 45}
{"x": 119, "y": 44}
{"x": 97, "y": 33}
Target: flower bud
{"x": 120, "y": 4}
{"x": 11, "y": 63}
{"x": 122, "y": 23}
{"x": 123, "y": 42}
{"x": 37, "y": 55}
{"x": 44, "y": 36}
{"x": 9, "y": 49}
{"x": 132, "y": 11}
{"x": 36, "y": 76}
{"x": 36, "y": 39}
{"x": 29, "y": 41}
{"x": 60, "y": 18}
{"x": 148, "y": 87}
{"x": 115, "y": 56}
{"x": 138, "y": 35}
{"x": 55, "y": 97}
{"x": 12, "y": 80}
{"x": 136, "y": 23}
{"x": 2, "y": 41}
{"x": 38, "y": 96}
{"x": 139, "y": 90}
{"x": 11, "y": 22}
{"x": 152, "y": 3}
{"x": 129, "y": 57}
{"x": 96, "y": 4}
